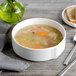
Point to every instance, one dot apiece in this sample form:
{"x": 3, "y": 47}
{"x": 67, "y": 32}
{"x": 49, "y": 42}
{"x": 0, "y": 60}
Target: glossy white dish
{"x": 64, "y": 18}
{"x": 38, "y": 54}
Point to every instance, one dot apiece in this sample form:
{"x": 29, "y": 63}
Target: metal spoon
{"x": 67, "y": 60}
{"x": 71, "y": 53}
{"x": 67, "y": 68}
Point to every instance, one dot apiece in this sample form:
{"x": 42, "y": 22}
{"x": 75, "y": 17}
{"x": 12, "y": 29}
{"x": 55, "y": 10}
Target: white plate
{"x": 65, "y": 19}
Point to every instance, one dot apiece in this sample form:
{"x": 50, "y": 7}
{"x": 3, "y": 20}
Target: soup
{"x": 38, "y": 36}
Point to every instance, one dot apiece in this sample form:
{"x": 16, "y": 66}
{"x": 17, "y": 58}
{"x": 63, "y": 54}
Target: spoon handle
{"x": 67, "y": 68}
{"x": 69, "y": 56}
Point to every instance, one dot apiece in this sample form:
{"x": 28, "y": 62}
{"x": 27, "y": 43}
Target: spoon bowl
{"x": 74, "y": 39}
{"x": 71, "y": 53}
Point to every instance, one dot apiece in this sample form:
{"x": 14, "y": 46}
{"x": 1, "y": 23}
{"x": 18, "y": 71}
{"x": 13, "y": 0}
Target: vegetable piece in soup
{"x": 38, "y": 36}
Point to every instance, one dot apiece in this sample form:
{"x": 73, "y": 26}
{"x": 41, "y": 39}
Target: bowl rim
{"x": 43, "y": 48}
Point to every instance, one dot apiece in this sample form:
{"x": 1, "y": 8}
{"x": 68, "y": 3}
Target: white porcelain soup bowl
{"x": 38, "y": 54}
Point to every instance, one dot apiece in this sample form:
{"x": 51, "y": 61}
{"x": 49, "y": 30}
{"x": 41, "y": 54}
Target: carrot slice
{"x": 36, "y": 46}
{"x": 42, "y": 33}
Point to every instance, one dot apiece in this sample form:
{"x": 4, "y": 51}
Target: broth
{"x": 38, "y": 36}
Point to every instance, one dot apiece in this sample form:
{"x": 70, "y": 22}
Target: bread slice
{"x": 75, "y": 13}
{"x": 71, "y": 14}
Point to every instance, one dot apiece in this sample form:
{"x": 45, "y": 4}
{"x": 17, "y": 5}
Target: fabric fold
{"x": 8, "y": 63}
